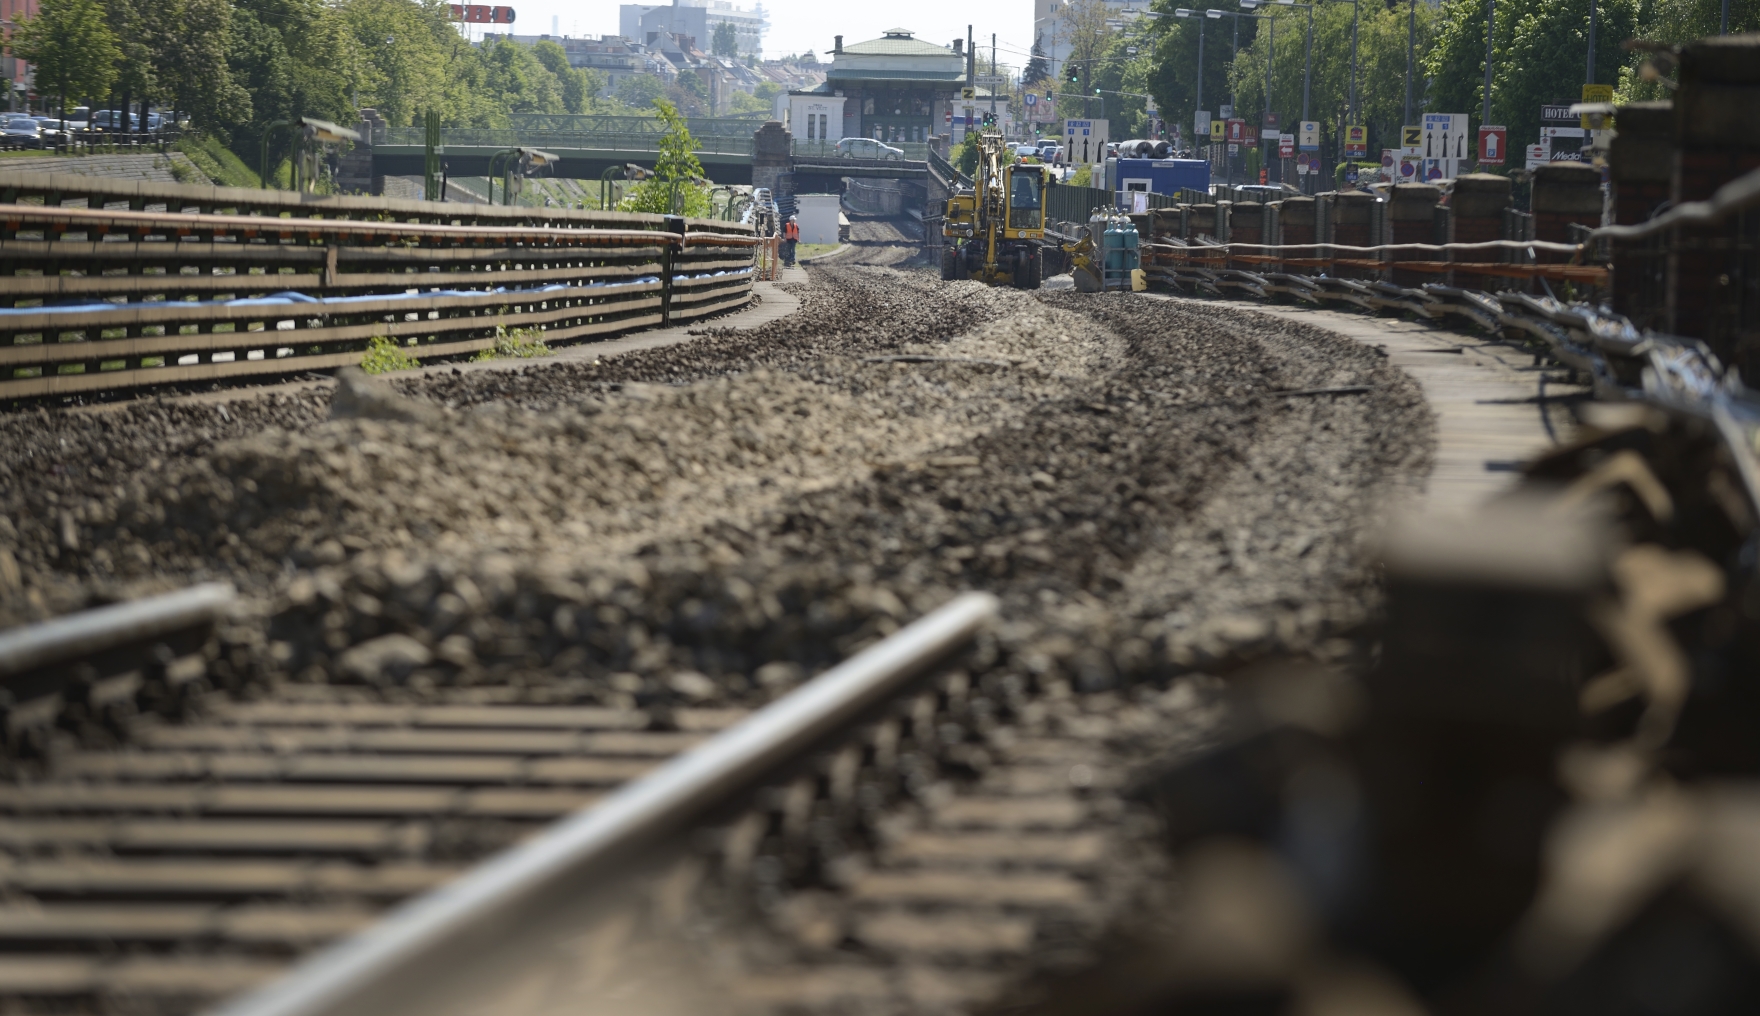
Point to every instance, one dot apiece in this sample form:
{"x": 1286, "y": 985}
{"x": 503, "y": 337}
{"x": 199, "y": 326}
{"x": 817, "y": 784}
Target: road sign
{"x": 1410, "y": 167}
{"x": 968, "y": 93}
{"x": 1032, "y": 100}
{"x": 1217, "y": 128}
{"x": 1237, "y": 131}
{"x": 1201, "y": 122}
{"x": 1387, "y": 158}
{"x": 1286, "y": 146}
{"x": 948, "y": 118}
{"x": 1445, "y": 137}
{"x": 1411, "y": 138}
{"x": 1304, "y": 164}
{"x": 1557, "y": 112}
{"x": 1234, "y": 149}
{"x": 1561, "y": 132}
{"x": 1493, "y": 142}
{"x": 1308, "y": 135}
{"x": 1539, "y": 155}
{"x": 1250, "y": 136}
{"x": 1227, "y": 111}
{"x": 1596, "y": 93}
{"x": 1433, "y": 169}
{"x": 1356, "y": 141}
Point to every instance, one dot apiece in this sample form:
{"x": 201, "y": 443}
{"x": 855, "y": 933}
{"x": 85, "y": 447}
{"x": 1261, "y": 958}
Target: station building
{"x": 894, "y": 88}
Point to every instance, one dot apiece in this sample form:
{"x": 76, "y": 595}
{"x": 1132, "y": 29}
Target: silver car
{"x": 868, "y": 148}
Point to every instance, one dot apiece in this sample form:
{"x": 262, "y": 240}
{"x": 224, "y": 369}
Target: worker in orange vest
{"x": 791, "y": 235}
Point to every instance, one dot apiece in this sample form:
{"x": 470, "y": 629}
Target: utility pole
{"x": 1411, "y": 43}
{"x": 1724, "y": 28}
{"x": 1490, "y": 30}
{"x": 994, "y": 77}
{"x": 1591, "y": 78}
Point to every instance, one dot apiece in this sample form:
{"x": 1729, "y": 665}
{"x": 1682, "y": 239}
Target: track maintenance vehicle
{"x": 995, "y": 232}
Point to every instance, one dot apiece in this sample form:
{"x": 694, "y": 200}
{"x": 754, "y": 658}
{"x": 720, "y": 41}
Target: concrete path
{"x": 150, "y": 166}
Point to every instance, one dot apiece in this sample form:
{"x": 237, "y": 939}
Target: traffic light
{"x": 1047, "y": 98}
{"x": 1073, "y": 76}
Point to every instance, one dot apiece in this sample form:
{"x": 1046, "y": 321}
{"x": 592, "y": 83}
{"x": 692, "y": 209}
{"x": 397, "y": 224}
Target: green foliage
{"x": 1539, "y": 55}
{"x": 578, "y": 85}
{"x": 1082, "y": 177}
{"x": 215, "y": 160}
{"x": 724, "y": 41}
{"x": 741, "y": 102}
{"x": 72, "y": 46}
{"x": 641, "y": 90}
{"x": 965, "y": 157}
{"x": 384, "y": 355}
{"x": 520, "y": 343}
{"x": 678, "y": 186}
{"x": 768, "y": 91}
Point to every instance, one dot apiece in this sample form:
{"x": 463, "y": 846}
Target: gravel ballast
{"x": 713, "y": 522}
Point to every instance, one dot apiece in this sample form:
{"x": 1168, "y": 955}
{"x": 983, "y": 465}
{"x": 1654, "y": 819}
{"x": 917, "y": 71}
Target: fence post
{"x": 1411, "y": 218}
{"x": 1641, "y": 167}
{"x": 1712, "y": 268}
{"x": 1476, "y": 216}
{"x": 668, "y": 261}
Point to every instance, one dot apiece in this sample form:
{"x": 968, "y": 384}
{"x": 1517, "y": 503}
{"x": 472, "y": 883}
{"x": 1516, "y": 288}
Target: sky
{"x": 799, "y": 25}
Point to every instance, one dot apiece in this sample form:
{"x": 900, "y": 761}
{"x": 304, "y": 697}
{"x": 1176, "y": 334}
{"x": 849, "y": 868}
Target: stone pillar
{"x": 1411, "y": 218}
{"x": 1298, "y": 222}
{"x": 1353, "y": 226}
{"x": 771, "y": 156}
{"x": 1202, "y": 222}
{"x": 1565, "y": 194}
{"x": 1475, "y": 215}
{"x": 1716, "y": 143}
{"x": 1640, "y": 164}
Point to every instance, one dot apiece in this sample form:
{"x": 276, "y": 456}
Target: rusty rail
{"x": 96, "y": 300}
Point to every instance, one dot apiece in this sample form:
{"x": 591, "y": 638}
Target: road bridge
{"x": 586, "y": 155}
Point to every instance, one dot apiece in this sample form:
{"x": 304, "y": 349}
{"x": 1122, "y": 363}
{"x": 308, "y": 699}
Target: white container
{"x": 818, "y": 217}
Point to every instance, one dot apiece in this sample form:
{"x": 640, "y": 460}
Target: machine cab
{"x": 1026, "y": 199}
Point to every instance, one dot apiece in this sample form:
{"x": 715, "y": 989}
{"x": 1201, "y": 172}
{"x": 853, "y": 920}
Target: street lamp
{"x": 1184, "y": 13}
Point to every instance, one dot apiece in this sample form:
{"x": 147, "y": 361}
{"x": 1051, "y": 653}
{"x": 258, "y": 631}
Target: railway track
{"x": 207, "y": 855}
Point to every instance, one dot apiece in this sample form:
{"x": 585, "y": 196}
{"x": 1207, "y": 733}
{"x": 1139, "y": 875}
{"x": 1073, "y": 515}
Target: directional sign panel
{"x": 1217, "y": 130}
{"x": 1356, "y": 141}
{"x": 1493, "y": 142}
{"x": 1308, "y": 136}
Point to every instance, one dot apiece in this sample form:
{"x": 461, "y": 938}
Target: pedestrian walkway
{"x": 1495, "y": 408}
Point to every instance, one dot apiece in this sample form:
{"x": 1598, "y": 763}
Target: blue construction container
{"x": 1157, "y": 176}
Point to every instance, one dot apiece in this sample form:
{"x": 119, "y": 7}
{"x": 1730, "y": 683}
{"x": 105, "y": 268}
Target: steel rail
{"x": 68, "y": 638}
{"x": 1549, "y": 246}
{"x": 1738, "y": 195}
{"x": 439, "y": 930}
{"x": 87, "y": 219}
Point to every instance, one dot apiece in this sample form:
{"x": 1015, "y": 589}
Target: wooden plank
{"x": 276, "y": 712}
{"x": 220, "y": 836}
{"x": 216, "y": 877}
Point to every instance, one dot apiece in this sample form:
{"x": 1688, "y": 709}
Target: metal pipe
{"x": 447, "y": 928}
{"x": 92, "y": 631}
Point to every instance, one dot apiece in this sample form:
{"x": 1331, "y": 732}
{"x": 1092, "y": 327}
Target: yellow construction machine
{"x": 995, "y": 232}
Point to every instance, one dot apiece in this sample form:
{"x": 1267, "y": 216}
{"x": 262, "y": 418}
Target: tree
{"x": 675, "y": 187}
{"x": 72, "y": 46}
{"x": 1539, "y": 55}
{"x": 578, "y": 86}
{"x": 641, "y": 90}
{"x": 1037, "y": 69}
{"x": 724, "y": 41}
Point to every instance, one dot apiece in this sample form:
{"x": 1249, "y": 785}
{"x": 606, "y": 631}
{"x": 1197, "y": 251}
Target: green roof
{"x": 897, "y": 42}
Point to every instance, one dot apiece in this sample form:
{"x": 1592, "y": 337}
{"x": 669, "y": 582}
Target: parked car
{"x": 111, "y": 119}
{"x": 50, "y": 127}
{"x": 20, "y": 128}
{"x": 1028, "y": 152}
{"x": 868, "y": 148}
{"x": 76, "y": 119}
